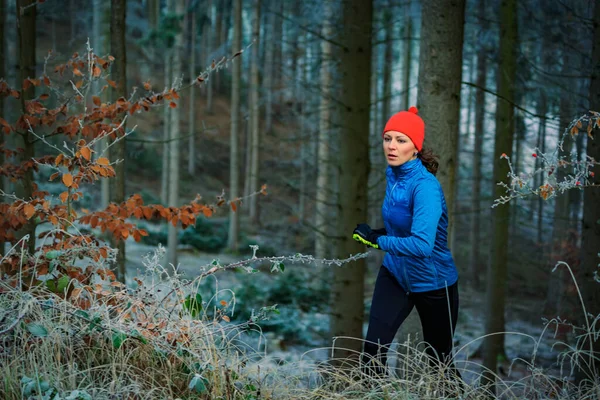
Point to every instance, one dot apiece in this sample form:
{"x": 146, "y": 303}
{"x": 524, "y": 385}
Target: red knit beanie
{"x": 409, "y": 123}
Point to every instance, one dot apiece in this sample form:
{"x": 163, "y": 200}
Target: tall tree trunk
{"x": 347, "y": 291}
{"x": 119, "y": 74}
{"x": 440, "y": 72}
{"x": 174, "y": 144}
{"x": 192, "y": 104}
{"x": 254, "y": 109}
{"x": 541, "y": 145}
{"x": 301, "y": 106}
{"x": 101, "y": 43}
{"x": 321, "y": 217}
{"x": 211, "y": 35}
{"x": 3, "y": 50}
{"x": 232, "y": 242}
{"x": 475, "y": 269}
{"x": 269, "y": 68}
{"x": 26, "y": 26}
{"x": 561, "y": 237}
{"x": 493, "y": 345}
{"x": 590, "y": 231}
{"x": 407, "y": 53}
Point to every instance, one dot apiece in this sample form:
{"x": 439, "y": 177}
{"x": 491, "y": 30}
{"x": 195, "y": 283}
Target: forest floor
{"x": 528, "y": 344}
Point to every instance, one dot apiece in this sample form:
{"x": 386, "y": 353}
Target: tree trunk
{"x": 591, "y": 221}
{"x": 101, "y": 42}
{"x": 475, "y": 269}
{"x": 3, "y": 50}
{"x": 119, "y": 74}
{"x": 301, "y": 106}
{"x": 26, "y": 27}
{"x": 407, "y": 28}
{"x": 561, "y": 237}
{"x": 347, "y": 290}
{"x": 321, "y": 218}
{"x": 541, "y": 145}
{"x": 211, "y": 34}
{"x": 440, "y": 72}
{"x": 232, "y": 242}
{"x": 192, "y": 103}
{"x": 493, "y": 345}
{"x": 269, "y": 68}
{"x": 174, "y": 144}
{"x": 254, "y": 109}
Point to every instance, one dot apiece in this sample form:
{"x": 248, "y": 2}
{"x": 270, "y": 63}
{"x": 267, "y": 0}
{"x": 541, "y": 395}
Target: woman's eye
{"x": 386, "y": 139}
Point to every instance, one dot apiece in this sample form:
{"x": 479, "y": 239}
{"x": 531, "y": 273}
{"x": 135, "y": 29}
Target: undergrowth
{"x": 158, "y": 338}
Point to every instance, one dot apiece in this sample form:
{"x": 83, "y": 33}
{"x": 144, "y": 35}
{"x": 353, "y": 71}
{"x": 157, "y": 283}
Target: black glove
{"x": 364, "y": 234}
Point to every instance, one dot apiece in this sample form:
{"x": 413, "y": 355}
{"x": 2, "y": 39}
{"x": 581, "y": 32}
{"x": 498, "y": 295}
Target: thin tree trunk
{"x": 269, "y": 68}
{"x": 541, "y": 145}
{"x": 255, "y": 112}
{"x": 236, "y": 78}
{"x": 322, "y": 220}
{"x": 407, "y": 53}
{"x": 497, "y": 275}
{"x": 347, "y": 289}
{"x": 475, "y": 268}
{"x": 174, "y": 144}
{"x": 165, "y": 187}
{"x": 192, "y": 104}
{"x": 440, "y": 72}
{"x": 561, "y": 224}
{"x": 211, "y": 35}
{"x": 590, "y": 231}
{"x": 301, "y": 106}
{"x": 26, "y": 27}
{"x": 119, "y": 74}
{"x": 101, "y": 42}
{"x": 3, "y": 50}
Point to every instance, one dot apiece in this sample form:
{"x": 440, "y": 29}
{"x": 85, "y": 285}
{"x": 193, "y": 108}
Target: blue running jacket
{"x": 416, "y": 220}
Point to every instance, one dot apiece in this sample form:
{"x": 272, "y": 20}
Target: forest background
{"x": 290, "y": 98}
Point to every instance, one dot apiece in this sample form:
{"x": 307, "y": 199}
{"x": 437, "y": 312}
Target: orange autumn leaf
{"x": 96, "y": 101}
{"x": 125, "y": 233}
{"x": 233, "y": 207}
{"x": 102, "y": 161}
{"x": 64, "y": 196}
{"x": 86, "y": 153}
{"x": 58, "y": 159}
{"x": 96, "y": 72}
{"x": 172, "y": 104}
{"x": 29, "y": 210}
{"x": 207, "y": 212}
{"x": 67, "y": 180}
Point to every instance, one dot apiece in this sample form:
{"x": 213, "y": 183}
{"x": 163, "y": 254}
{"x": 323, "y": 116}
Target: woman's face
{"x": 398, "y": 148}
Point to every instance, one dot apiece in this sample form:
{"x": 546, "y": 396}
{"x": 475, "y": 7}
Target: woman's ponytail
{"x": 429, "y": 160}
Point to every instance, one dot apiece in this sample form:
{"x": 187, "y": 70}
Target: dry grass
{"x": 147, "y": 343}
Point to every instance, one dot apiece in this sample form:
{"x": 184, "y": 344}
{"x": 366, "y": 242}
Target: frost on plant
{"x": 576, "y": 173}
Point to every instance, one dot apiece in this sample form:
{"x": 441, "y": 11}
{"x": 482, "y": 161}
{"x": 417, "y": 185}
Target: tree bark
{"x": 3, "y": 50}
{"x": 493, "y": 345}
{"x": 192, "y": 104}
{"x": 440, "y": 72}
{"x": 591, "y": 221}
{"x": 347, "y": 291}
{"x": 101, "y": 43}
{"x": 232, "y": 242}
{"x": 26, "y": 27}
{"x": 475, "y": 269}
{"x": 321, "y": 217}
{"x": 407, "y": 53}
{"x": 119, "y": 74}
{"x": 255, "y": 116}
{"x": 269, "y": 68}
{"x": 212, "y": 33}
{"x": 174, "y": 144}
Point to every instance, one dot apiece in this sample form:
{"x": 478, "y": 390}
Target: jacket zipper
{"x": 404, "y": 266}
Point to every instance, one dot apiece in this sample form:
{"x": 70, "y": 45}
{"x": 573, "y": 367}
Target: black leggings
{"x": 390, "y": 307}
